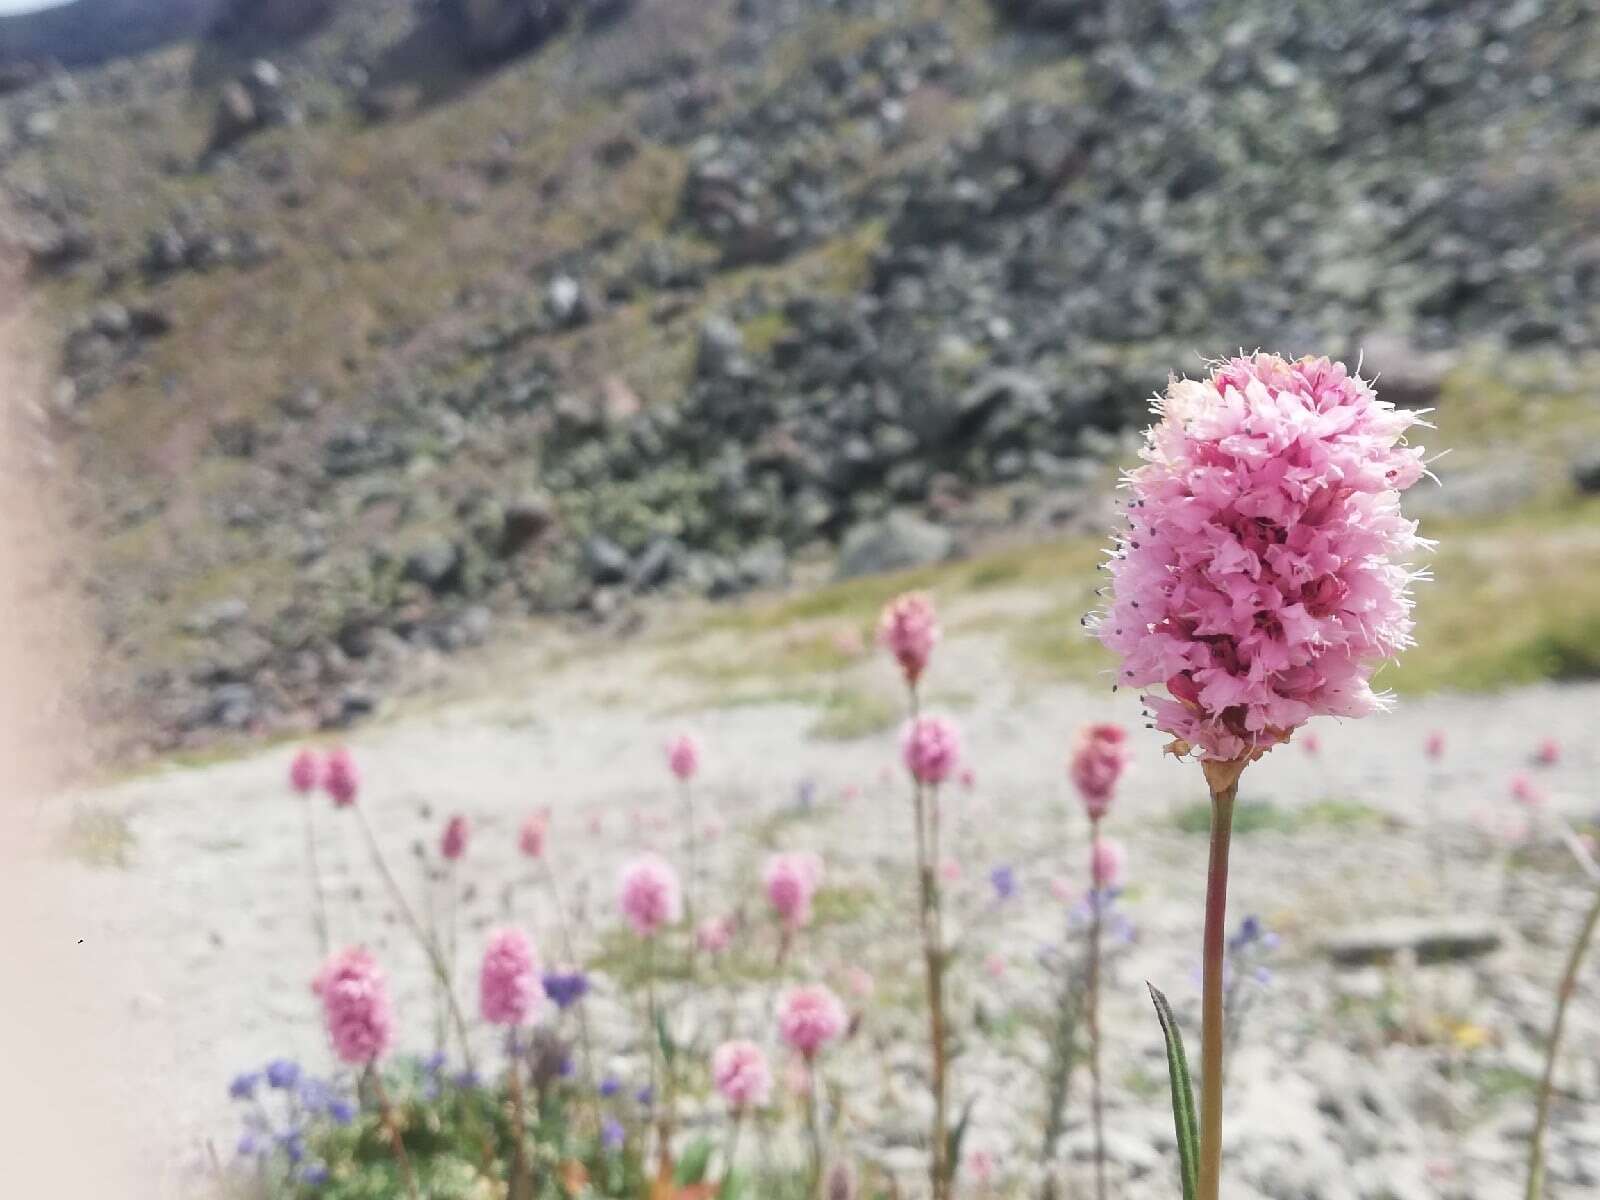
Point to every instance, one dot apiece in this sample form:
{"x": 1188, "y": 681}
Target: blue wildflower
{"x": 645, "y": 1096}
{"x": 316, "y": 1174}
{"x": 243, "y": 1086}
{"x": 248, "y": 1144}
{"x": 293, "y": 1143}
{"x": 466, "y": 1080}
{"x": 610, "y": 1086}
{"x": 341, "y": 1112}
{"x": 282, "y": 1073}
{"x": 1004, "y": 880}
{"x": 565, "y": 988}
{"x": 612, "y": 1133}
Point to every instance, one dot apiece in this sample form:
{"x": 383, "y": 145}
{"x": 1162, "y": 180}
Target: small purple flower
{"x": 315, "y": 1174}
{"x": 611, "y": 1133}
{"x": 341, "y": 1112}
{"x": 565, "y": 988}
{"x": 293, "y": 1144}
{"x": 434, "y": 1063}
{"x": 248, "y": 1144}
{"x": 282, "y": 1073}
{"x": 610, "y": 1086}
{"x": 646, "y": 1096}
{"x": 1004, "y": 880}
{"x": 243, "y": 1086}
{"x": 466, "y": 1080}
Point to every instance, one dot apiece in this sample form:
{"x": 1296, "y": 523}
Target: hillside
{"x": 380, "y": 329}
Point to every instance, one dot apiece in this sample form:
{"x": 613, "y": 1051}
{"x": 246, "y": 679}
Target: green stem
{"x": 1211, "y": 1026}
{"x": 392, "y": 1128}
{"x": 1093, "y": 1014}
{"x": 1569, "y": 981}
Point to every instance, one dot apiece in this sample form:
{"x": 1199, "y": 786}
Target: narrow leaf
{"x": 692, "y": 1165}
{"x": 953, "y": 1140}
{"x": 669, "y": 1048}
{"x": 1183, "y": 1115}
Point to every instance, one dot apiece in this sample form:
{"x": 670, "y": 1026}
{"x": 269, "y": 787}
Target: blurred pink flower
{"x": 1548, "y": 754}
{"x": 968, "y": 778}
{"x": 1311, "y": 744}
{"x": 797, "y": 1078}
{"x": 809, "y": 1017}
{"x": 714, "y": 934}
{"x": 531, "y": 838}
{"x": 910, "y": 630}
{"x": 453, "y": 842}
{"x": 597, "y": 825}
{"x": 305, "y": 771}
{"x": 683, "y": 756}
{"x": 860, "y": 983}
{"x": 994, "y": 964}
{"x": 649, "y": 895}
{"x": 740, "y": 1072}
{"x": 981, "y": 1167}
{"x": 340, "y": 779}
{"x": 931, "y": 747}
{"x": 1434, "y": 746}
{"x": 1263, "y": 574}
{"x": 355, "y": 1006}
{"x": 1099, "y": 757}
{"x": 852, "y": 791}
{"x": 950, "y": 871}
{"x": 1061, "y": 889}
{"x": 1108, "y": 862}
{"x": 791, "y": 881}
{"x": 1525, "y": 792}
{"x": 509, "y": 990}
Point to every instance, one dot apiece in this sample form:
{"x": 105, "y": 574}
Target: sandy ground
{"x": 206, "y": 941}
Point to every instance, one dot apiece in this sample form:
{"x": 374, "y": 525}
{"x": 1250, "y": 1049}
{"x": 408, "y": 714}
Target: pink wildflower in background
{"x": 597, "y": 825}
{"x": 1548, "y": 754}
{"x": 860, "y": 983}
{"x": 1263, "y": 576}
{"x": 950, "y": 871}
{"x": 305, "y": 771}
{"x": 508, "y": 982}
{"x": 809, "y": 1017}
{"x": 981, "y": 1167}
{"x": 1108, "y": 863}
{"x": 995, "y": 965}
{"x": 1434, "y": 746}
{"x": 683, "y": 756}
{"x": 1061, "y": 889}
{"x": 1099, "y": 757}
{"x": 742, "y": 1077}
{"x": 1525, "y": 792}
{"x": 453, "y": 842}
{"x": 910, "y": 630}
{"x": 1311, "y": 744}
{"x": 714, "y": 934}
{"x": 932, "y": 748}
{"x": 340, "y": 779}
{"x": 650, "y": 895}
{"x": 355, "y": 1006}
{"x": 791, "y": 882}
{"x": 530, "y": 839}
{"x": 968, "y": 778}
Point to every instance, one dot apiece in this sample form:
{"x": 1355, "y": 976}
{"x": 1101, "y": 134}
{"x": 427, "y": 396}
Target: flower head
{"x": 649, "y": 895}
{"x": 1107, "y": 864}
{"x": 1262, "y": 576}
{"x": 683, "y": 756}
{"x": 282, "y": 1073}
{"x": 910, "y": 631}
{"x": 508, "y": 982}
{"x": 1526, "y": 792}
{"x": 1099, "y": 757}
{"x": 565, "y": 988}
{"x": 340, "y": 779}
{"x": 791, "y": 881}
{"x": 1004, "y": 881}
{"x": 305, "y": 770}
{"x": 355, "y": 1006}
{"x": 530, "y": 840}
{"x": 1434, "y": 746}
{"x": 714, "y": 934}
{"x": 1548, "y": 753}
{"x": 453, "y": 842}
{"x": 931, "y": 747}
{"x": 612, "y": 1135}
{"x": 809, "y": 1017}
{"x": 243, "y": 1086}
{"x": 741, "y": 1074}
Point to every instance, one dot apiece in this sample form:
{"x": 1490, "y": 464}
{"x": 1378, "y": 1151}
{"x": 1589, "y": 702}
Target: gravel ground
{"x": 1401, "y": 1081}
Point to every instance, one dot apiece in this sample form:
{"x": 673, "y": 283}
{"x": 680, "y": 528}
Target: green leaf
{"x": 1183, "y": 1115}
{"x": 693, "y": 1163}
{"x": 669, "y": 1049}
{"x": 953, "y": 1139}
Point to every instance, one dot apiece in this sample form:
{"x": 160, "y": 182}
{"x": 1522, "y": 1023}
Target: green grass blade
{"x": 1183, "y": 1114}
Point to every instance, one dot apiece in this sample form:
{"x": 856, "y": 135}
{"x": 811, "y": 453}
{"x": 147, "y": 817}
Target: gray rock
{"x": 764, "y": 565}
{"x": 1431, "y": 939}
{"x": 661, "y": 560}
{"x": 565, "y": 302}
{"x": 1586, "y": 471}
{"x": 606, "y": 562}
{"x": 896, "y": 541}
{"x": 525, "y": 521}
{"x": 435, "y": 564}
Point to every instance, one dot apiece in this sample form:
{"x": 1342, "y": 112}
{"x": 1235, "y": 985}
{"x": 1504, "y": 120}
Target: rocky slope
{"x": 381, "y": 327}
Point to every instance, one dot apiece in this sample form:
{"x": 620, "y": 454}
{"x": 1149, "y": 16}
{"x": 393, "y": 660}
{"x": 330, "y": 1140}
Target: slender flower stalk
{"x": 1262, "y": 577}
{"x": 809, "y": 1018}
{"x": 305, "y": 773}
{"x": 1547, "y": 1083}
{"x": 1092, "y": 1016}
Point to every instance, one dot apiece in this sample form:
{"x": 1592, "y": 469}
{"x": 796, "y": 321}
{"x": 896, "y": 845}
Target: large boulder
{"x": 892, "y": 543}
{"x": 491, "y": 29}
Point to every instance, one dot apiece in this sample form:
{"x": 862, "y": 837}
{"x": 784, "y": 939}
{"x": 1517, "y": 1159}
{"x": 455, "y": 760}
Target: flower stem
{"x": 814, "y": 1129}
{"x": 520, "y": 1179}
{"x": 320, "y": 914}
{"x": 1223, "y": 794}
{"x": 1569, "y": 982}
{"x": 392, "y": 1128}
{"x": 1093, "y": 1014}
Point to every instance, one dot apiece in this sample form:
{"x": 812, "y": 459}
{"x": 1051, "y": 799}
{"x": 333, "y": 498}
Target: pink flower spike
{"x": 910, "y": 630}
{"x": 683, "y": 756}
{"x": 530, "y": 839}
{"x": 453, "y": 842}
{"x": 714, "y": 934}
{"x": 305, "y": 771}
{"x": 340, "y": 779}
{"x": 1434, "y": 746}
{"x": 1264, "y": 571}
{"x": 1108, "y": 864}
{"x": 791, "y": 881}
{"x": 509, "y": 990}
{"x": 742, "y": 1077}
{"x": 1548, "y": 754}
{"x": 931, "y": 747}
{"x": 355, "y": 1006}
{"x": 809, "y": 1017}
{"x": 1099, "y": 757}
{"x": 650, "y": 896}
